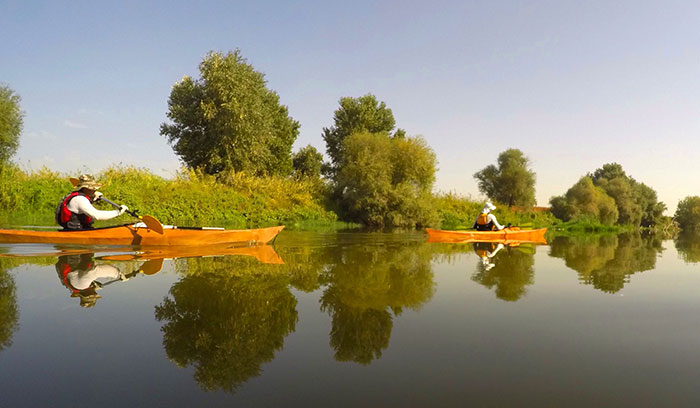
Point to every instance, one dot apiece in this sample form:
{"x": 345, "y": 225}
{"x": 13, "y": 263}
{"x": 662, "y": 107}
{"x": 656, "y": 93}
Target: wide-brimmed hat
{"x": 488, "y": 207}
{"x": 87, "y": 181}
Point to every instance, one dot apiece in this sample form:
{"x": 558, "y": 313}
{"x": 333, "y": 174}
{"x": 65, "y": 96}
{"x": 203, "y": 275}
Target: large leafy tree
{"x": 585, "y": 200}
{"x": 636, "y": 202}
{"x": 387, "y": 180}
{"x": 227, "y": 120}
{"x": 355, "y": 115}
{"x": 688, "y": 213}
{"x": 307, "y": 163}
{"x": 11, "y": 121}
{"x": 510, "y": 181}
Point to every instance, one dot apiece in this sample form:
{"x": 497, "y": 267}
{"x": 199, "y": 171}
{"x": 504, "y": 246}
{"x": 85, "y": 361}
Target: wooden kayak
{"x": 507, "y": 236}
{"x": 139, "y": 235}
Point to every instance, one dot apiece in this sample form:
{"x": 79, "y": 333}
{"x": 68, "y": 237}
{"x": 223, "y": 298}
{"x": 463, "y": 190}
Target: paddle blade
{"x": 152, "y": 266}
{"x": 152, "y": 223}
{"x": 74, "y": 181}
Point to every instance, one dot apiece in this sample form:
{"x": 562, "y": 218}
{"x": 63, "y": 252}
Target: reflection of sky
{"x": 563, "y": 341}
{"x": 574, "y": 85}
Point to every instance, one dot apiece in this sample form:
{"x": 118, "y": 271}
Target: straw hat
{"x": 87, "y": 181}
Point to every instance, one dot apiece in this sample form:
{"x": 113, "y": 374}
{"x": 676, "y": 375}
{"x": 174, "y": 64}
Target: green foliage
{"x": 356, "y": 115}
{"x": 636, "y": 202}
{"x": 307, "y": 163}
{"x": 511, "y": 182}
{"x": 584, "y": 200}
{"x": 456, "y": 212}
{"x": 387, "y": 181}
{"x": 229, "y": 120}
{"x": 11, "y": 122}
{"x": 688, "y": 213}
{"x": 192, "y": 198}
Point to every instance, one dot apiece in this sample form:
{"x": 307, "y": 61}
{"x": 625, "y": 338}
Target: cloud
{"x": 41, "y": 135}
{"x": 74, "y": 125}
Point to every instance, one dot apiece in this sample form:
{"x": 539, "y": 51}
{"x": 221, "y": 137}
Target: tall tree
{"x": 387, "y": 180}
{"x": 510, "y": 182}
{"x": 11, "y": 122}
{"x": 356, "y": 115}
{"x": 228, "y": 120}
{"x": 636, "y": 202}
{"x": 688, "y": 213}
{"x": 307, "y": 163}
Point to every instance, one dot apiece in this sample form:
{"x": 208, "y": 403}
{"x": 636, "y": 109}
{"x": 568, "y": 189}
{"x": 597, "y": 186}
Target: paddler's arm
{"x": 82, "y": 205}
{"x": 493, "y": 219}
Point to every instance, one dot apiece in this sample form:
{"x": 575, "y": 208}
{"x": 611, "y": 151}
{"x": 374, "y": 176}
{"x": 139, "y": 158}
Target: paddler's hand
{"x": 96, "y": 196}
{"x": 123, "y": 209}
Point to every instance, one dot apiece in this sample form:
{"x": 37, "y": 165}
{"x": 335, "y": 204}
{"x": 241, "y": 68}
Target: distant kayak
{"x": 139, "y": 235}
{"x": 507, "y": 235}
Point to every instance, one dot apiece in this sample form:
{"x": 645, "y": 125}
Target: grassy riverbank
{"x": 191, "y": 198}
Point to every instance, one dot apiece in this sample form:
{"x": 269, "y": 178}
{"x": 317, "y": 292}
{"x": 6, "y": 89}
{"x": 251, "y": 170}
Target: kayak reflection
{"x": 508, "y": 269}
{"x": 81, "y": 275}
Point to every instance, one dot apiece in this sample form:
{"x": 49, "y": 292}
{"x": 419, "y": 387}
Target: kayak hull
{"x": 139, "y": 236}
{"x": 504, "y": 236}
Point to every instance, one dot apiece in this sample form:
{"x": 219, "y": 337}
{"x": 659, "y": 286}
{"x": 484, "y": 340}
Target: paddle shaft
{"x": 115, "y": 205}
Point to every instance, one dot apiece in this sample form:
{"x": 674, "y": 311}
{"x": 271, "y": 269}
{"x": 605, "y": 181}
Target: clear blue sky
{"x": 572, "y": 84}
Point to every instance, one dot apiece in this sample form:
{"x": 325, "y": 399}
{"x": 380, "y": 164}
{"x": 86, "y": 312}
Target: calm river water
{"x": 354, "y": 319}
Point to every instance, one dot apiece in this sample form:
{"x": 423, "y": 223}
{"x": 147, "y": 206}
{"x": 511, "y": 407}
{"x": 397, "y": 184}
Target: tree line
{"x": 228, "y": 121}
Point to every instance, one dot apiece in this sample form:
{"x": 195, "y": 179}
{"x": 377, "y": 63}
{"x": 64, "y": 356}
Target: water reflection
{"x": 9, "y": 314}
{"x": 365, "y": 287}
{"x": 226, "y": 317}
{"x": 607, "y": 262}
{"x": 507, "y": 268}
{"x": 81, "y": 275}
{"x": 688, "y": 246}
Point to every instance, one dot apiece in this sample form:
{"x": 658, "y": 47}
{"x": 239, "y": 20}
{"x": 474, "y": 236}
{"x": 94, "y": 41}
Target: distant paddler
{"x": 76, "y": 210}
{"x": 487, "y": 221}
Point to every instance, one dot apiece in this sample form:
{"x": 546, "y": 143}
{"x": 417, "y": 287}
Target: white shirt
{"x": 82, "y": 280}
{"x": 490, "y": 218}
{"x": 81, "y": 205}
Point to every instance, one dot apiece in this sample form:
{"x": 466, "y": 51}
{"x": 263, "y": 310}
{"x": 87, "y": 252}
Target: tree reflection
{"x": 366, "y": 285}
{"x": 226, "y": 317}
{"x": 607, "y": 262}
{"x": 9, "y": 314}
{"x": 688, "y": 246}
{"x": 509, "y": 271}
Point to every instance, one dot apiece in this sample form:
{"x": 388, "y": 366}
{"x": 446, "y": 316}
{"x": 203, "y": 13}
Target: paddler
{"x": 76, "y": 212}
{"x": 487, "y": 221}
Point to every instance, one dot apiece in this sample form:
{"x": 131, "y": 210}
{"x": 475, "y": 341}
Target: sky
{"x": 574, "y": 85}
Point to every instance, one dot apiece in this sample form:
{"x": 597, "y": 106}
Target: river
{"x": 353, "y": 319}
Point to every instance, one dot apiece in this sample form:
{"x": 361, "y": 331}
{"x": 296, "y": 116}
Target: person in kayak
{"x": 487, "y": 221}
{"x": 76, "y": 212}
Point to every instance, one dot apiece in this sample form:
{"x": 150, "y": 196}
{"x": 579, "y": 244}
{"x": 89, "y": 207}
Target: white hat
{"x": 488, "y": 207}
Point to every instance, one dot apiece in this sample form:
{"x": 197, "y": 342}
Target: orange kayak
{"x": 507, "y": 235}
{"x": 141, "y": 236}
